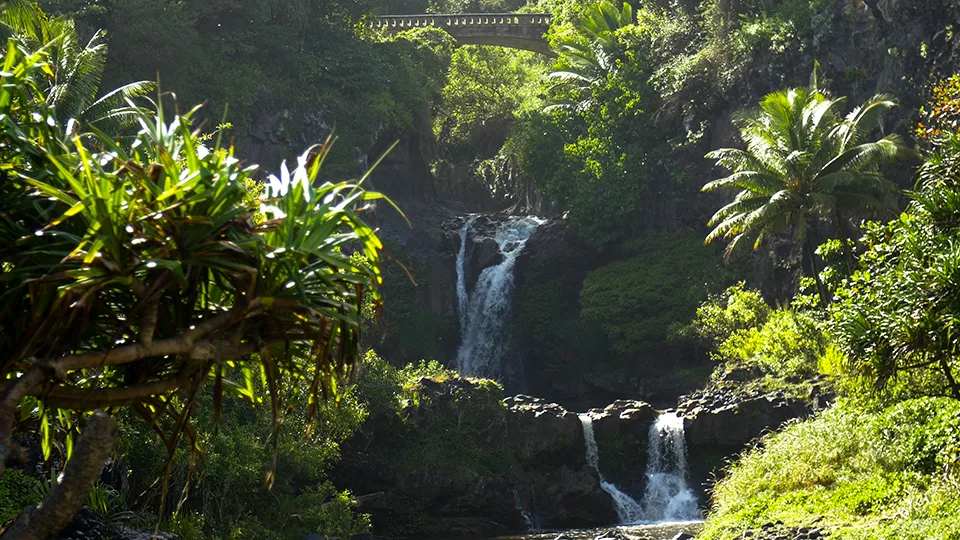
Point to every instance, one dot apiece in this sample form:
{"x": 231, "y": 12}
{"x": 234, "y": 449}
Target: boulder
{"x": 544, "y": 433}
{"x": 724, "y": 414}
{"x": 623, "y": 417}
{"x": 622, "y": 431}
{"x": 569, "y": 498}
{"x": 736, "y": 424}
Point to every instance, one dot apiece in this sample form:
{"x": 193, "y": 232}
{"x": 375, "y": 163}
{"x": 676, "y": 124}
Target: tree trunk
{"x": 844, "y": 230}
{"x": 948, "y": 372}
{"x": 815, "y": 269}
{"x": 73, "y": 486}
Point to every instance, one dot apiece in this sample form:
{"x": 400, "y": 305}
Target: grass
{"x": 875, "y": 474}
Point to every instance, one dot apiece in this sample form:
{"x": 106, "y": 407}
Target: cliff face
{"x": 864, "y": 47}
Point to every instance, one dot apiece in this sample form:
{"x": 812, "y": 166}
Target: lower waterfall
{"x": 483, "y": 312}
{"x": 628, "y": 510}
{"x": 667, "y": 497}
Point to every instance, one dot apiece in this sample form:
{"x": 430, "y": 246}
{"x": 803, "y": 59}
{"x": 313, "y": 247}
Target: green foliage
{"x": 73, "y": 91}
{"x": 787, "y": 344}
{"x": 865, "y": 474}
{"x": 941, "y": 118}
{"x": 411, "y": 374}
{"x": 305, "y": 66}
{"x": 733, "y": 310}
{"x": 230, "y": 492}
{"x": 485, "y": 85}
{"x": 406, "y": 329}
{"x": 588, "y": 55}
{"x": 640, "y": 302}
{"x": 157, "y": 268}
{"x": 781, "y": 349}
{"x": 17, "y": 491}
{"x": 896, "y": 316}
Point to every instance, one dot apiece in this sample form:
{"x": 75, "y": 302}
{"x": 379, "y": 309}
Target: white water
{"x": 667, "y": 497}
{"x": 528, "y": 519}
{"x": 628, "y": 510}
{"x": 483, "y": 312}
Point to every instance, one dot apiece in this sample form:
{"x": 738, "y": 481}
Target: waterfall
{"x": 528, "y": 519}
{"x": 462, "y": 299}
{"x": 483, "y": 312}
{"x": 667, "y": 497}
{"x": 628, "y": 510}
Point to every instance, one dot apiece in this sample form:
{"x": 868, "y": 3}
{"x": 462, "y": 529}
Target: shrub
{"x": 732, "y": 310}
{"x": 788, "y": 344}
{"x": 879, "y": 474}
{"x": 641, "y": 302}
{"x": 17, "y": 491}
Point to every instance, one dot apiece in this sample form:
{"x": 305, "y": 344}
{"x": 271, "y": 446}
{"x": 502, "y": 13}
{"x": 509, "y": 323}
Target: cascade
{"x": 528, "y": 519}
{"x": 667, "y": 497}
{"x": 483, "y": 312}
{"x": 628, "y": 510}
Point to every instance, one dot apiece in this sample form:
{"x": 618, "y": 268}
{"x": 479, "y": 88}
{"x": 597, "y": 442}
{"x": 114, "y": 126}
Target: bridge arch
{"x": 514, "y": 30}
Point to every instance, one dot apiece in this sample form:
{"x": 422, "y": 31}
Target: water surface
{"x": 657, "y": 531}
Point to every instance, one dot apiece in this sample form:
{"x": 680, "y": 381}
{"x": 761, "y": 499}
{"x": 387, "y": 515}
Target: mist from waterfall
{"x": 628, "y": 510}
{"x": 667, "y": 497}
{"x": 484, "y": 310}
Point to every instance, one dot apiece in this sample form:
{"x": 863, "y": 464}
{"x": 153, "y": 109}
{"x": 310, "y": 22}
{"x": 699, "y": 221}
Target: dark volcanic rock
{"x": 622, "y": 430}
{"x": 461, "y": 462}
{"x": 88, "y": 525}
{"x": 542, "y": 433}
{"x": 736, "y": 424}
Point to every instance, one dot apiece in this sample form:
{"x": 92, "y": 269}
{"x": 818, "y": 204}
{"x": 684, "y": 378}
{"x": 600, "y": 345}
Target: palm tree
{"x": 77, "y": 70}
{"x": 803, "y": 161}
{"x": 589, "y": 55}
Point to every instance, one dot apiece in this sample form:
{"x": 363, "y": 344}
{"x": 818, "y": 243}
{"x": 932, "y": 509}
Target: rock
{"x": 537, "y": 465}
{"x": 622, "y": 431}
{"x": 544, "y": 433}
{"x": 683, "y": 536}
{"x": 87, "y": 524}
{"x": 135, "y": 534}
{"x": 612, "y": 535}
{"x": 736, "y": 423}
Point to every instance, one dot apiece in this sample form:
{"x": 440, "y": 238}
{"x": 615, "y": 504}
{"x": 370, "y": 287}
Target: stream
{"x": 655, "y": 531}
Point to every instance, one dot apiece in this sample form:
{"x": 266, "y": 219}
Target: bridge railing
{"x": 401, "y": 22}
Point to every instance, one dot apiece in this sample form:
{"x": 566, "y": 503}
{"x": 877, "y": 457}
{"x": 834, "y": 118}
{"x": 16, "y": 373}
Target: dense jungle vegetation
{"x": 200, "y": 324}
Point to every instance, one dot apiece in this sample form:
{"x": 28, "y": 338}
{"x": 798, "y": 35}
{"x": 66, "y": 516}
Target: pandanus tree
{"x": 589, "y": 54}
{"x": 803, "y": 161}
{"x": 138, "y": 277}
{"x": 896, "y": 317}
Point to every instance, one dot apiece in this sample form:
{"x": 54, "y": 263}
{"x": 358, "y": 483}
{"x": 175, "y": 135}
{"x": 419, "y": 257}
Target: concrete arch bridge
{"x": 514, "y": 30}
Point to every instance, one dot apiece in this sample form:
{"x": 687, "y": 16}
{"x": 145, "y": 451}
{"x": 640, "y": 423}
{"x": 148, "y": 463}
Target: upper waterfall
{"x": 483, "y": 312}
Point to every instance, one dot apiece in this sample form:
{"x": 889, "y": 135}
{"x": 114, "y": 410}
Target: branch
{"x": 181, "y": 344}
{"x": 72, "y": 488}
{"x": 56, "y": 369}
{"x": 88, "y": 399}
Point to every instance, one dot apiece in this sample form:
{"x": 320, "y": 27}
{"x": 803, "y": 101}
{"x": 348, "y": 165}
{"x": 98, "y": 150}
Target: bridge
{"x": 515, "y": 30}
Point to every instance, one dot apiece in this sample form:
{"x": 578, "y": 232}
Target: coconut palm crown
{"x": 585, "y": 57}
{"x": 803, "y": 160}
